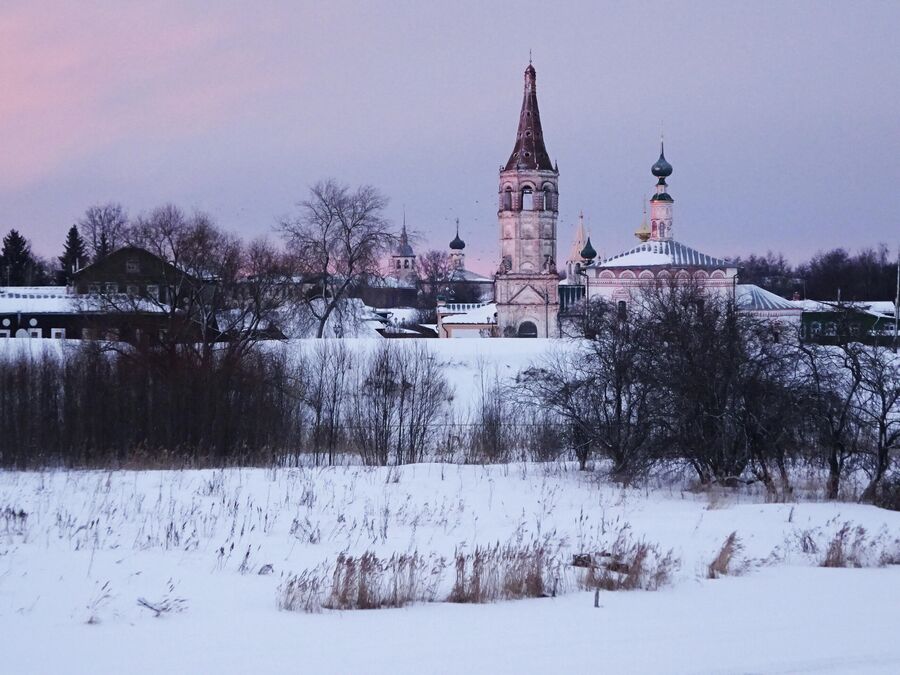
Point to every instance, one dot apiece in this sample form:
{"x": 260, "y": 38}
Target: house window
{"x": 622, "y": 308}
{"x": 35, "y": 333}
{"x": 816, "y": 328}
{"x": 153, "y": 292}
{"x": 398, "y": 264}
{"x": 87, "y": 334}
{"x": 58, "y": 333}
{"x": 132, "y": 266}
{"x": 406, "y": 264}
{"x": 94, "y": 289}
{"x": 4, "y": 333}
{"x": 132, "y": 289}
{"x": 831, "y": 328}
{"x": 111, "y": 288}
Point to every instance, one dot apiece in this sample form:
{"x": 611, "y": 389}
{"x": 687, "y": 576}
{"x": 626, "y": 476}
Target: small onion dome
{"x": 588, "y": 252}
{"x": 662, "y": 168}
{"x": 457, "y": 244}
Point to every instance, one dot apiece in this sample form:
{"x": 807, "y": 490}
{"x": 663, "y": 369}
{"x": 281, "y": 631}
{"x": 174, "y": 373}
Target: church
{"x": 531, "y": 297}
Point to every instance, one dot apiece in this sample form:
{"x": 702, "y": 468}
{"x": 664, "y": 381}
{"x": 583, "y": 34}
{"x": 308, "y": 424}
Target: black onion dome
{"x": 457, "y": 244}
{"x": 662, "y": 168}
{"x": 588, "y": 252}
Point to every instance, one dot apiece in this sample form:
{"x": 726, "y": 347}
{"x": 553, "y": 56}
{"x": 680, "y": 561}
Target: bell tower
{"x": 526, "y": 283}
{"x": 661, "y": 202}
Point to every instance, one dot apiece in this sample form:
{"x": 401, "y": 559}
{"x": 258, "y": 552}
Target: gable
{"x": 528, "y": 295}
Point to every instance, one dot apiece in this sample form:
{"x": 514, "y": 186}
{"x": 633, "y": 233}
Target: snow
{"x": 95, "y": 542}
{"x": 57, "y": 300}
{"x": 485, "y": 313}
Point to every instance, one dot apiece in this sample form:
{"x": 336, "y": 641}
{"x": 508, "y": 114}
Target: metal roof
{"x": 656, "y": 253}
{"x": 752, "y": 298}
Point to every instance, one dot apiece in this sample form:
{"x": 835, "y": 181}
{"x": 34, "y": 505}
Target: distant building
{"x": 657, "y": 258}
{"x": 403, "y": 261}
{"x": 461, "y": 282}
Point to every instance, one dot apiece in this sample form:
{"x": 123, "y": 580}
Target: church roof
{"x": 530, "y": 151}
{"x": 656, "y": 253}
{"x": 752, "y": 298}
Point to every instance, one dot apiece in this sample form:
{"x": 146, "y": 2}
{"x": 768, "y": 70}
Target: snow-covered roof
{"x": 752, "y": 298}
{"x": 36, "y": 300}
{"x": 486, "y": 313}
{"x": 461, "y": 274}
{"x": 655, "y": 253}
{"x": 57, "y": 300}
{"x": 877, "y": 307}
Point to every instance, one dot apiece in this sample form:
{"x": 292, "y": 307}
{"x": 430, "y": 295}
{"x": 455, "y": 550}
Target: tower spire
{"x": 530, "y": 151}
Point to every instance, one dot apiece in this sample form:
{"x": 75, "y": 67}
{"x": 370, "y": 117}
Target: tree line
{"x": 682, "y": 379}
{"x": 837, "y": 274}
{"x": 681, "y": 382}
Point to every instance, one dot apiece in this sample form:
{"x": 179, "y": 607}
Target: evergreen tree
{"x": 73, "y": 257}
{"x": 16, "y": 261}
{"x": 103, "y": 247}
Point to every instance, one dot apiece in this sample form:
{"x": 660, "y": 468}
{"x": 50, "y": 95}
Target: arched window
{"x": 507, "y": 200}
{"x": 406, "y": 264}
{"x": 548, "y": 198}
{"x": 527, "y": 199}
{"x": 622, "y": 309}
{"x": 398, "y": 264}
{"x": 527, "y": 329}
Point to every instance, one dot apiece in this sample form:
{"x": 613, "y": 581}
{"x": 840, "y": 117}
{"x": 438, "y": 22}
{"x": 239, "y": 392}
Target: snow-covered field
{"x": 79, "y": 549}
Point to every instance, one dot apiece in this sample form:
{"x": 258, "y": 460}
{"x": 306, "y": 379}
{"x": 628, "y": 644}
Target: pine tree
{"x": 16, "y": 261}
{"x": 73, "y": 257}
{"x": 103, "y": 247}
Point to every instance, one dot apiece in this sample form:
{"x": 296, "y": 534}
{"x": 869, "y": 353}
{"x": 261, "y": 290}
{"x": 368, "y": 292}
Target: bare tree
{"x": 879, "y": 407}
{"x": 833, "y": 378}
{"x": 336, "y": 242}
{"x": 213, "y": 293}
{"x": 103, "y": 225}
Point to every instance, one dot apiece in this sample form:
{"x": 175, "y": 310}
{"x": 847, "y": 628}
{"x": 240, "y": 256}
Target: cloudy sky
{"x": 782, "y": 120}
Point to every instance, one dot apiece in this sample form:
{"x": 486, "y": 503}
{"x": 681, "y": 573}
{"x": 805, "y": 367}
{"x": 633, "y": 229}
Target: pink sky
{"x": 781, "y": 119}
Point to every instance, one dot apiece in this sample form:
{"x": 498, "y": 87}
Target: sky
{"x": 782, "y": 120}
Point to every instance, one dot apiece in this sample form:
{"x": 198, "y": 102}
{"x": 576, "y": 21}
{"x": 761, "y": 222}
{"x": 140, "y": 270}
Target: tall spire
{"x": 579, "y": 241}
{"x": 643, "y": 232}
{"x": 403, "y": 248}
{"x": 530, "y": 151}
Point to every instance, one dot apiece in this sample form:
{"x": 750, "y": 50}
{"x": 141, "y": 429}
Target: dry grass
{"x": 510, "y": 572}
{"x": 628, "y": 565}
{"x": 724, "y": 562}
{"x": 364, "y": 582}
